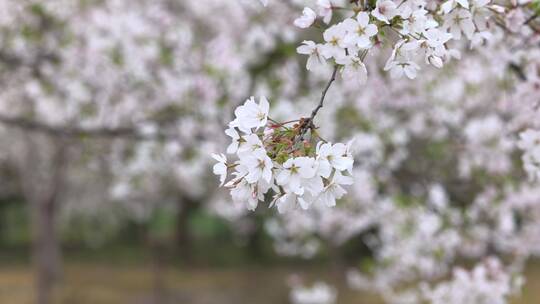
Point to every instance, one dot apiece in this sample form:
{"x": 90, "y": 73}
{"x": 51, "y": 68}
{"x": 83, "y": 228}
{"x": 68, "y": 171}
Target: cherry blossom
{"x": 259, "y": 166}
{"x": 315, "y": 59}
{"x": 458, "y": 21}
{"x": 326, "y": 8}
{"x": 385, "y": 10}
{"x": 335, "y": 155}
{"x": 353, "y": 69}
{"x": 307, "y": 19}
{"x": 295, "y": 171}
{"x": 335, "y": 42}
{"x": 451, "y": 4}
{"x": 251, "y": 143}
{"x": 334, "y": 190}
{"x": 237, "y": 140}
{"x": 221, "y": 167}
{"x": 359, "y": 30}
{"x": 401, "y": 67}
{"x": 251, "y": 115}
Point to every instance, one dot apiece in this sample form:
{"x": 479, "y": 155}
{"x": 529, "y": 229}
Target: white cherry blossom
{"x": 307, "y": 19}
{"x": 315, "y": 59}
{"x": 295, "y": 170}
{"x": 289, "y": 201}
{"x": 220, "y": 168}
{"x": 451, "y": 4}
{"x": 335, "y": 41}
{"x": 415, "y": 21}
{"x": 385, "y": 10}
{"x": 325, "y": 10}
{"x": 335, "y": 155}
{"x": 458, "y": 21}
{"x": 244, "y": 193}
{"x": 399, "y": 68}
{"x": 334, "y": 190}
{"x": 259, "y": 166}
{"x": 251, "y": 115}
{"x": 436, "y": 38}
{"x": 250, "y": 144}
{"x": 359, "y": 30}
{"x": 236, "y": 140}
{"x": 353, "y": 70}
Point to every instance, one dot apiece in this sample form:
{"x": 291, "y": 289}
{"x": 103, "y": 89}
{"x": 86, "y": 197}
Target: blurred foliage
{"x": 212, "y": 240}
{"x": 15, "y": 224}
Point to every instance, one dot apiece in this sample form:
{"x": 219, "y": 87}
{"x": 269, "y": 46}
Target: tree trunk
{"x": 46, "y": 250}
{"x": 183, "y": 234}
{"x": 159, "y": 287}
{"x": 42, "y": 186}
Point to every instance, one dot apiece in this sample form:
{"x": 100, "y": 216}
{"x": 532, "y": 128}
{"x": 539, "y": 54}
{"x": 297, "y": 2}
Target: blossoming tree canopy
{"x": 277, "y": 156}
{"x": 436, "y": 160}
{"x": 416, "y": 31}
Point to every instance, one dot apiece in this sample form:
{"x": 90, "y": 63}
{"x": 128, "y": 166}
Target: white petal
{"x": 283, "y": 177}
{"x": 363, "y": 18}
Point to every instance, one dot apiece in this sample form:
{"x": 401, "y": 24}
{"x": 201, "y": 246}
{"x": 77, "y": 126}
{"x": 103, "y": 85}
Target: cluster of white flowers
{"x": 414, "y": 28}
{"x": 274, "y": 156}
{"x": 487, "y": 283}
{"x": 345, "y": 42}
{"x": 320, "y": 293}
{"x": 530, "y": 143}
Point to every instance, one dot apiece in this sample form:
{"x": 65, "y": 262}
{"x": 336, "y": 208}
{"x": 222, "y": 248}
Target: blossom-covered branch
{"x": 270, "y": 158}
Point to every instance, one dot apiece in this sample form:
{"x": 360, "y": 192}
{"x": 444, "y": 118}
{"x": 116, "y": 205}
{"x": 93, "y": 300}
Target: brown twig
{"x": 323, "y": 95}
{"x": 531, "y": 18}
{"x": 308, "y": 123}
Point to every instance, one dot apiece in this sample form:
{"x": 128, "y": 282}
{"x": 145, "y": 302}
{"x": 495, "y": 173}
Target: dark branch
{"x": 323, "y": 95}
{"x": 518, "y": 70}
{"x": 308, "y": 123}
{"x": 77, "y": 132}
{"x": 531, "y": 18}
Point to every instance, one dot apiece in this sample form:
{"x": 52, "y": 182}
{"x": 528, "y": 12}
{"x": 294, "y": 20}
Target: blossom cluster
{"x": 530, "y": 144}
{"x": 486, "y": 283}
{"x": 416, "y": 30}
{"x": 300, "y": 168}
{"x": 319, "y": 293}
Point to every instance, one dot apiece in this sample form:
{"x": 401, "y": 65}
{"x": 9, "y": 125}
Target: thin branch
{"x": 78, "y": 132}
{"x": 323, "y": 95}
{"x": 308, "y": 123}
{"x": 527, "y": 22}
{"x": 531, "y": 18}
